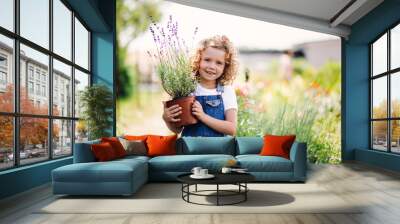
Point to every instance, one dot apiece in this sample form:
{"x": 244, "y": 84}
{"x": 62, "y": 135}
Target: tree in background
{"x": 133, "y": 19}
{"x": 34, "y": 130}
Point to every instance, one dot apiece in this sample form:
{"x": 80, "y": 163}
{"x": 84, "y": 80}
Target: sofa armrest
{"x": 83, "y": 152}
{"x": 298, "y": 155}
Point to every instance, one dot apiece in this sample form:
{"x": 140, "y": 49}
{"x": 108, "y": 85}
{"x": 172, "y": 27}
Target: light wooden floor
{"x": 378, "y": 188}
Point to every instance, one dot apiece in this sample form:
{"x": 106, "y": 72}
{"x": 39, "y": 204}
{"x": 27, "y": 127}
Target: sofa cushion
{"x": 112, "y": 171}
{"x": 185, "y": 163}
{"x": 83, "y": 152}
{"x": 257, "y": 163}
{"x": 206, "y": 145}
{"x": 248, "y": 145}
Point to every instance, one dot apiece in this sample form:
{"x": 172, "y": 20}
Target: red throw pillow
{"x": 103, "y": 152}
{"x": 116, "y": 145}
{"x": 277, "y": 145}
{"x": 161, "y": 145}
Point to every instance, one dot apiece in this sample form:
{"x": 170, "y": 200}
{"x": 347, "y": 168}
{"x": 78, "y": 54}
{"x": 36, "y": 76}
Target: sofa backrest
{"x": 206, "y": 145}
{"x": 249, "y": 145}
{"x": 83, "y": 152}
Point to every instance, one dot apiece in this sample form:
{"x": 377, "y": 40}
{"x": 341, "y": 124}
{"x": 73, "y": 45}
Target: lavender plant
{"x": 173, "y": 60}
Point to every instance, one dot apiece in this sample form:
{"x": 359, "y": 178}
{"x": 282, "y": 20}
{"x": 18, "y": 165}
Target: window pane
{"x": 33, "y": 140}
{"x": 81, "y": 45}
{"x": 62, "y": 29}
{"x": 62, "y": 138}
{"x": 81, "y": 81}
{"x": 379, "y": 135}
{"x": 62, "y": 89}
{"x": 35, "y": 21}
{"x": 6, "y": 142}
{"x": 379, "y": 100}
{"x": 395, "y": 136}
{"x": 6, "y": 74}
{"x": 395, "y": 94}
{"x": 379, "y": 55}
{"x": 81, "y": 131}
{"x": 395, "y": 47}
{"x": 34, "y": 72}
{"x": 7, "y": 14}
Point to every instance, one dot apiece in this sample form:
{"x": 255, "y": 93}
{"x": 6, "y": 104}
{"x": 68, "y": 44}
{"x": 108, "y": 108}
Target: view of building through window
{"x": 32, "y": 111}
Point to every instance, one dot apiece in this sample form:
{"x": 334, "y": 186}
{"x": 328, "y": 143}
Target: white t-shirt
{"x": 228, "y": 96}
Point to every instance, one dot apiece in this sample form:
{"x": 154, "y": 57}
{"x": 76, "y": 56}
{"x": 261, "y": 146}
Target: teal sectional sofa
{"x": 125, "y": 176}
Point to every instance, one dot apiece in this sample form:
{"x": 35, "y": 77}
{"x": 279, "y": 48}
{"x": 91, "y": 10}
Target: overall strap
{"x": 220, "y": 88}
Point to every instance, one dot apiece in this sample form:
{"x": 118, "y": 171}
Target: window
{"x": 3, "y": 61}
{"x": 3, "y": 71}
{"x": 62, "y": 29}
{"x": 56, "y": 126}
{"x": 30, "y": 87}
{"x": 34, "y": 22}
{"x": 43, "y": 90}
{"x": 6, "y": 73}
{"x": 37, "y": 74}
{"x": 38, "y": 89}
{"x": 44, "y": 77}
{"x": 385, "y": 94}
{"x": 7, "y": 14}
{"x": 81, "y": 45}
{"x": 30, "y": 73}
{"x": 3, "y": 78}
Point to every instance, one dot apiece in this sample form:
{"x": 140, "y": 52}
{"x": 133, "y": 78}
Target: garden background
{"x": 284, "y": 89}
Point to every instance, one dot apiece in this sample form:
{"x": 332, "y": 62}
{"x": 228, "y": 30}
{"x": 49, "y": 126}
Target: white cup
{"x": 226, "y": 170}
{"x": 196, "y": 171}
{"x": 203, "y": 172}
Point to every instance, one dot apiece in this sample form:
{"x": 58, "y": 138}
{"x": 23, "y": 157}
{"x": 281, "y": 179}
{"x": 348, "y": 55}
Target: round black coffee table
{"x": 238, "y": 179}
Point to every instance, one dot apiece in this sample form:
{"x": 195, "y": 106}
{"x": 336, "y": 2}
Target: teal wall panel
{"x": 356, "y": 96}
{"x": 24, "y": 178}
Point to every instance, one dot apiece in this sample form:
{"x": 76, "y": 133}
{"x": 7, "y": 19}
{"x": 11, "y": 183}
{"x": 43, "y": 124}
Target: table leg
{"x": 245, "y": 193}
{"x": 217, "y": 194}
{"x": 196, "y": 188}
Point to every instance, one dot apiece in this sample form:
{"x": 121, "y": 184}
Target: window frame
{"x": 388, "y": 74}
{"x": 16, "y": 114}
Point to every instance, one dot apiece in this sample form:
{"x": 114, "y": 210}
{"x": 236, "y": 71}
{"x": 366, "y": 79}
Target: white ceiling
{"x": 315, "y": 15}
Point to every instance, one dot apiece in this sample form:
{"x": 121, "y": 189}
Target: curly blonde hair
{"x": 231, "y": 63}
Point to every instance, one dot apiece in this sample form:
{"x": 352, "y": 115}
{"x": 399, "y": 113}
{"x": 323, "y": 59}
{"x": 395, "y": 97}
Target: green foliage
{"x": 97, "y": 102}
{"x": 173, "y": 63}
{"x": 176, "y": 79}
{"x": 133, "y": 19}
{"x": 307, "y": 106}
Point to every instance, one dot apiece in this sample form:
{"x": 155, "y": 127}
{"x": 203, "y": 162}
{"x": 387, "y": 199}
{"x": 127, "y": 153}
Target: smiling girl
{"x": 215, "y": 66}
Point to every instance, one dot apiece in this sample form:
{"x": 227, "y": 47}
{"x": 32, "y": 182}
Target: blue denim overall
{"x": 213, "y": 105}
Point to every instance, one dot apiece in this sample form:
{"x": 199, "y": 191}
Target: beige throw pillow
{"x": 134, "y": 147}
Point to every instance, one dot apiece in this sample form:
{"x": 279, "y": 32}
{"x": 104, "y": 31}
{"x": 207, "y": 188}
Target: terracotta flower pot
{"x": 186, "y": 116}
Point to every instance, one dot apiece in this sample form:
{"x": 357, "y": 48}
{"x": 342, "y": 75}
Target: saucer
{"x": 208, "y": 176}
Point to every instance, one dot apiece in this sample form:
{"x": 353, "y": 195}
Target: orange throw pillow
{"x": 277, "y": 145}
{"x": 136, "y": 138}
{"x": 116, "y": 145}
{"x": 161, "y": 145}
{"x": 103, "y": 152}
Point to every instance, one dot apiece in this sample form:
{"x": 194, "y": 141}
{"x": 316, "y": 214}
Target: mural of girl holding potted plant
{"x": 206, "y": 79}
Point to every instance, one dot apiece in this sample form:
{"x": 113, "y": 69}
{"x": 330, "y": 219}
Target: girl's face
{"x": 212, "y": 64}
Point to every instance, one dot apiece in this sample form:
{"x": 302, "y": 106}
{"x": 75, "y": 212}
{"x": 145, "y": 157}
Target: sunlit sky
{"x": 243, "y": 32}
